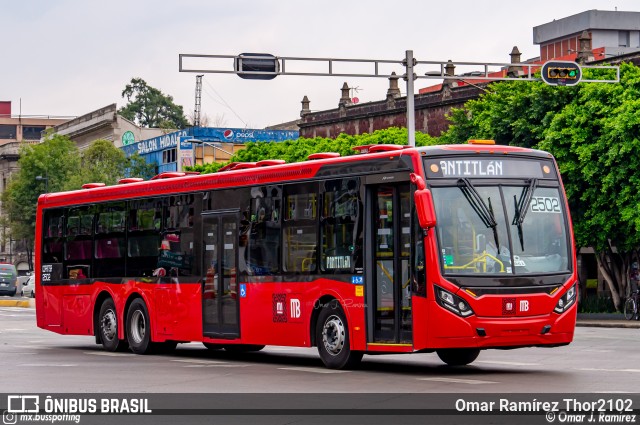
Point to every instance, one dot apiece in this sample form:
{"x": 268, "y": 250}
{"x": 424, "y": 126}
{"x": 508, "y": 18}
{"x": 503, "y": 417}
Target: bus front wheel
{"x": 458, "y": 356}
{"x": 332, "y": 338}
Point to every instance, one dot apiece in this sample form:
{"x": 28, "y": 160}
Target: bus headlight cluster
{"x": 453, "y": 303}
{"x": 566, "y": 300}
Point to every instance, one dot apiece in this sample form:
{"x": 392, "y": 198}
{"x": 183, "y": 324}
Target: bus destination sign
{"x": 488, "y": 168}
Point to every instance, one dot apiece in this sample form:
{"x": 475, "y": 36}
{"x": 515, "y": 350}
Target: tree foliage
{"x": 149, "y": 107}
{"x": 44, "y": 166}
{"x": 57, "y": 165}
{"x": 298, "y": 150}
{"x": 593, "y": 131}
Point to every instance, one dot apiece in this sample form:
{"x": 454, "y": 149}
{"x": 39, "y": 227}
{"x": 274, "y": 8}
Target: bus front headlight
{"x": 566, "y": 300}
{"x": 453, "y": 303}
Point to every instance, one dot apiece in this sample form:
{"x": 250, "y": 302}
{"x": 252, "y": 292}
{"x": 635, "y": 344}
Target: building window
{"x": 169, "y": 156}
{"x": 623, "y": 38}
{"x": 7, "y": 131}
{"x": 32, "y": 132}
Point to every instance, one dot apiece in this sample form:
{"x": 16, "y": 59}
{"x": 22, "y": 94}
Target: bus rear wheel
{"x": 458, "y": 356}
{"x": 108, "y": 327}
{"x": 332, "y": 338}
{"x": 138, "y": 327}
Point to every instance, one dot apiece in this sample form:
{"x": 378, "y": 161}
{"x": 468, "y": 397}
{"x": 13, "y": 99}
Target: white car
{"x": 29, "y": 287}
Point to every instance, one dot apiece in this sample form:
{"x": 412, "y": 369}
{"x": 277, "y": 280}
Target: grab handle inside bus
{"x": 424, "y": 203}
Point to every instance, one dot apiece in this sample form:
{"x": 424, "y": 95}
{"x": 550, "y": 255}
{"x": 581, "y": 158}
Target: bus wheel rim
{"x": 109, "y": 325}
{"x": 138, "y": 326}
{"x": 333, "y": 335}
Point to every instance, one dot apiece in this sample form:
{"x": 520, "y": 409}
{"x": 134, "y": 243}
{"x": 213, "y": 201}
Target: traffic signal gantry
{"x": 263, "y": 66}
{"x": 561, "y": 73}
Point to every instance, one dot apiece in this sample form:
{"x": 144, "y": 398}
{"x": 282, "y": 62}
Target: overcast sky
{"x": 70, "y": 57}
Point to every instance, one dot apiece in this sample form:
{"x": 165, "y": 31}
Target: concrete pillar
{"x": 515, "y": 71}
{"x": 344, "y": 98}
{"x": 305, "y": 106}
{"x": 394, "y": 90}
{"x": 585, "y": 54}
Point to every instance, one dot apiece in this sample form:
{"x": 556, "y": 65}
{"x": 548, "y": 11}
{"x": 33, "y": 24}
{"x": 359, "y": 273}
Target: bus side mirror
{"x": 424, "y": 208}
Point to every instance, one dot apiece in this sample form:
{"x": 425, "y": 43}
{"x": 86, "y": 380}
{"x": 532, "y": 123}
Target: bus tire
{"x": 243, "y": 348}
{"x": 332, "y": 338}
{"x": 108, "y": 327}
{"x": 458, "y": 356}
{"x": 138, "y": 327}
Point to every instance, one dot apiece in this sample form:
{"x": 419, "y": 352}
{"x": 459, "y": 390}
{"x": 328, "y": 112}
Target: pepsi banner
{"x": 241, "y": 135}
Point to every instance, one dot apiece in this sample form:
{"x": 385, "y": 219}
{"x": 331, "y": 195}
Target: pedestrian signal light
{"x": 561, "y": 73}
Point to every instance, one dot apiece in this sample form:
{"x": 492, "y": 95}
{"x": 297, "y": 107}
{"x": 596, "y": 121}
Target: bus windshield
{"x": 501, "y": 229}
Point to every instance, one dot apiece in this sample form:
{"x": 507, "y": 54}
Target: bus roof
{"x": 265, "y": 172}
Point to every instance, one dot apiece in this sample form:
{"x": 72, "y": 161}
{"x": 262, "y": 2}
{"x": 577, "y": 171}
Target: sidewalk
{"x": 606, "y": 320}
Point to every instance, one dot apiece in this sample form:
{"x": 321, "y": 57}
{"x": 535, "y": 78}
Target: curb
{"x": 17, "y": 303}
{"x": 629, "y": 324}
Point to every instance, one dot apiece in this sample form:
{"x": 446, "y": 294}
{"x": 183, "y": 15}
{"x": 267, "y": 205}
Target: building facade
{"x": 200, "y": 145}
{"x": 105, "y": 124}
{"x": 15, "y": 131}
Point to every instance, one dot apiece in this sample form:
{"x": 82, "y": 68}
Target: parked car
{"x": 8, "y": 277}
{"x": 29, "y": 287}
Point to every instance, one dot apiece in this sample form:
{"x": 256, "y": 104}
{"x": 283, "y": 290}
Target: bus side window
{"x": 340, "y": 226}
{"x": 300, "y": 236}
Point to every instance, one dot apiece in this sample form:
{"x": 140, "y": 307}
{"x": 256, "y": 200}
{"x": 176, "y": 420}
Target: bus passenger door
{"x": 387, "y": 280}
{"x": 220, "y": 308}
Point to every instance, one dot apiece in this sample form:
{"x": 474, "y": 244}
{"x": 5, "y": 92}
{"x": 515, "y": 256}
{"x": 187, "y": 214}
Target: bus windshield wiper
{"x": 477, "y": 203}
{"x": 522, "y": 206}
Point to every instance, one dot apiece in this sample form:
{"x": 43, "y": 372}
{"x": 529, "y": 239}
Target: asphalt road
{"x": 600, "y": 360}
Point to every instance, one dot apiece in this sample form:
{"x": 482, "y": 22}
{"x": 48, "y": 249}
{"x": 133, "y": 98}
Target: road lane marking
{"x": 496, "y": 362}
{"x": 109, "y": 354}
{"x": 199, "y": 362}
{"x": 313, "y": 370}
{"x": 592, "y": 369}
{"x": 458, "y": 381}
{"x": 33, "y": 347}
{"x": 216, "y": 365}
{"x": 48, "y": 365}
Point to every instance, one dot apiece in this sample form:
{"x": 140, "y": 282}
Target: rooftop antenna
{"x": 354, "y": 91}
{"x": 196, "y": 112}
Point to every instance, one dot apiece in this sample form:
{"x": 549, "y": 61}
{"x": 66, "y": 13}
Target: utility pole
{"x": 196, "y": 112}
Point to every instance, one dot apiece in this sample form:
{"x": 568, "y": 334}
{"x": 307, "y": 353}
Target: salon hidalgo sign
{"x": 209, "y": 135}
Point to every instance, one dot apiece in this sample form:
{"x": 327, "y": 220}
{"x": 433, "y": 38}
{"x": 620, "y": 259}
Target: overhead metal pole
{"x": 411, "y": 110}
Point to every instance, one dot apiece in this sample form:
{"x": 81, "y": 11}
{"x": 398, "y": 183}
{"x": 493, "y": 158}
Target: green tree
{"x": 57, "y": 165}
{"x": 149, "y": 107}
{"x": 298, "y": 150}
{"x": 104, "y": 163}
{"x": 43, "y": 167}
{"x": 592, "y": 130}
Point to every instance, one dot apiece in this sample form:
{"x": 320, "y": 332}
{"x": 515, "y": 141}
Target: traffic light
{"x": 257, "y": 62}
{"x": 561, "y": 73}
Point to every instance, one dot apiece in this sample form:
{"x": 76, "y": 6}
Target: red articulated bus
{"x": 452, "y": 249}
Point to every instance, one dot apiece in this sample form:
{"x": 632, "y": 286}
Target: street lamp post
{"x": 46, "y": 182}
